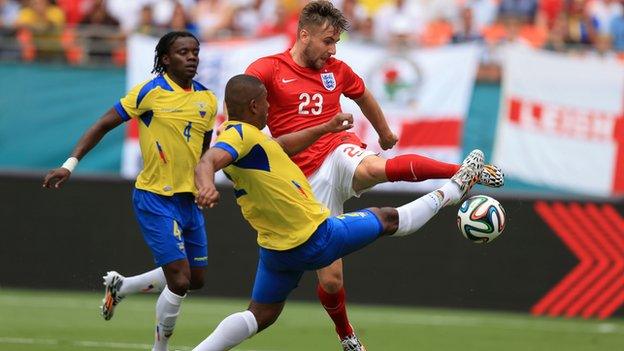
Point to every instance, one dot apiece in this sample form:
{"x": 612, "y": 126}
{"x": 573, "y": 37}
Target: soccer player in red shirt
{"x": 304, "y": 87}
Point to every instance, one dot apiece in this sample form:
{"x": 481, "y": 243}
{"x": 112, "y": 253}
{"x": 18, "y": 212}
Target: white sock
{"x": 415, "y": 214}
{"x": 152, "y": 281}
{"x": 167, "y": 311}
{"x": 233, "y": 330}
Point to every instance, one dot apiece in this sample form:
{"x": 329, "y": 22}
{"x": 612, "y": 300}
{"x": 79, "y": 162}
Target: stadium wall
{"x": 67, "y": 239}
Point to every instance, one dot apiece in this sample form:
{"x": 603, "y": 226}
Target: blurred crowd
{"x": 79, "y": 31}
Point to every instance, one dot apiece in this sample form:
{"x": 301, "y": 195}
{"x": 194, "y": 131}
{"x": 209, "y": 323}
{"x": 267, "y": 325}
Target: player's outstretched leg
{"x": 116, "y": 287}
{"x": 415, "y": 214}
{"x": 416, "y": 168}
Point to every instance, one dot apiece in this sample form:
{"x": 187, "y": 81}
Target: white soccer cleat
{"x": 492, "y": 176}
{"x": 112, "y": 284}
{"x": 352, "y": 343}
{"x": 469, "y": 172}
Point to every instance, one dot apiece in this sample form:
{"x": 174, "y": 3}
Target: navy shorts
{"x": 279, "y": 272}
{"x": 172, "y": 227}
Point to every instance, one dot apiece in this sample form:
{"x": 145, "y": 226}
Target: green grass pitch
{"x": 48, "y": 320}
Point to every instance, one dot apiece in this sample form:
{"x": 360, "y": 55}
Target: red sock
{"x": 335, "y": 305}
{"x": 416, "y": 168}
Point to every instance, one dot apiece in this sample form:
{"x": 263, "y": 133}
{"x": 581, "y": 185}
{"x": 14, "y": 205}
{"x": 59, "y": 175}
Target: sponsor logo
{"x": 352, "y": 214}
{"x": 286, "y": 81}
{"x": 200, "y": 259}
{"x": 329, "y": 81}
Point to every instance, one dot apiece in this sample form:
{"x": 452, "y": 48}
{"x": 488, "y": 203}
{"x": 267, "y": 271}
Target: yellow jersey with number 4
{"x": 172, "y": 125}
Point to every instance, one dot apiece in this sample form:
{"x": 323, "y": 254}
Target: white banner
{"x": 560, "y": 122}
{"x": 425, "y": 94}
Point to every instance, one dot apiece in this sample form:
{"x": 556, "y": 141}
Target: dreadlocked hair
{"x": 163, "y": 46}
{"x": 318, "y": 12}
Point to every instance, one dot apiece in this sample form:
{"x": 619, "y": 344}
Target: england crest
{"x": 329, "y": 82}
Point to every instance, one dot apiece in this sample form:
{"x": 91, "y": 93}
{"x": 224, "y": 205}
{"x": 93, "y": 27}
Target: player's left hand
{"x": 340, "y": 122}
{"x": 388, "y": 141}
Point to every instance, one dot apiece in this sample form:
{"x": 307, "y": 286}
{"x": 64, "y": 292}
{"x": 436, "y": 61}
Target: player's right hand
{"x": 340, "y": 122}
{"x": 207, "y": 197}
{"x": 56, "y": 177}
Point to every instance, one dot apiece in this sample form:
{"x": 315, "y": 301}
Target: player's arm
{"x": 56, "y": 177}
{"x": 293, "y": 143}
{"x": 212, "y": 161}
{"x": 372, "y": 111}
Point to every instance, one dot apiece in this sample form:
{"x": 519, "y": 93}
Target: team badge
{"x": 329, "y": 82}
{"x": 202, "y": 109}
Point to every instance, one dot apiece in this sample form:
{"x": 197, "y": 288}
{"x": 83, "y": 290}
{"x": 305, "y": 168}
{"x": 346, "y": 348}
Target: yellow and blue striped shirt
{"x": 172, "y": 124}
{"x": 274, "y": 195}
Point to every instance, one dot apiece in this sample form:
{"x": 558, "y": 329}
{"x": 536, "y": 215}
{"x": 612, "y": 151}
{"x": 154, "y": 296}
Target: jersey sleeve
{"x": 138, "y": 101}
{"x": 262, "y": 69}
{"x": 232, "y": 140}
{"x": 354, "y": 83}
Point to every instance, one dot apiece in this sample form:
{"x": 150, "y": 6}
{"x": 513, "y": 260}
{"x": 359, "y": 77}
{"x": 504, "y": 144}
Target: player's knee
{"x": 265, "y": 314}
{"x": 331, "y": 283}
{"x": 179, "y": 284}
{"x": 389, "y": 218}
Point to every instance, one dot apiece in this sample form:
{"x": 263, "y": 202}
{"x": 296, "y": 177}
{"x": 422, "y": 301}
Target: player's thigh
{"x": 195, "y": 239}
{"x": 332, "y": 183}
{"x": 354, "y": 230}
{"x": 160, "y": 230}
{"x": 272, "y": 285}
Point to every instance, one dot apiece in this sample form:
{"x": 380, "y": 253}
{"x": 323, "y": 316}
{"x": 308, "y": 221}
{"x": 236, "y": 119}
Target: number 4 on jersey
{"x": 187, "y": 131}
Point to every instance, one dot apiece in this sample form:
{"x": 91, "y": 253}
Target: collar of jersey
{"x": 175, "y": 86}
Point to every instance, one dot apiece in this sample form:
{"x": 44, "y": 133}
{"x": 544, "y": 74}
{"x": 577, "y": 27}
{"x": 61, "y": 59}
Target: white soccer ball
{"x": 481, "y": 219}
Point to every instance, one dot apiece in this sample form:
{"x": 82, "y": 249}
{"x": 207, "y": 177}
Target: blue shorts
{"x": 279, "y": 271}
{"x": 172, "y": 227}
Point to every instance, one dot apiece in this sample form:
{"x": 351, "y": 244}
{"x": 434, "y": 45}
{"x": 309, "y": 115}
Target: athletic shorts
{"x": 172, "y": 227}
{"x": 279, "y": 272}
{"x": 332, "y": 183}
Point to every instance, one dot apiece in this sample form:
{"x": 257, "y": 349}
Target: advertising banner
{"x": 561, "y": 122}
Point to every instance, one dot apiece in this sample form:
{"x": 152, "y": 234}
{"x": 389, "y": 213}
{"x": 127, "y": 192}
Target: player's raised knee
{"x": 389, "y": 218}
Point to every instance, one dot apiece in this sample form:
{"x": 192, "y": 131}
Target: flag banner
{"x": 560, "y": 122}
{"x": 425, "y": 94}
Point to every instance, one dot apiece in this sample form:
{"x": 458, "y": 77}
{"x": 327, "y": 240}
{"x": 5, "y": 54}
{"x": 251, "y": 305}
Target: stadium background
{"x": 559, "y": 266}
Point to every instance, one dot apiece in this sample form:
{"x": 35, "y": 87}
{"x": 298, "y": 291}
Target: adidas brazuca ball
{"x": 481, "y": 219}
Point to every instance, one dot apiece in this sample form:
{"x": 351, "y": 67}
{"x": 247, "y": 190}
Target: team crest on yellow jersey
{"x": 202, "y": 109}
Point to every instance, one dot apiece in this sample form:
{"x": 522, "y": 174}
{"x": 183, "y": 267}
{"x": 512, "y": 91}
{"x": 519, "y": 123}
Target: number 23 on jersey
{"x": 310, "y": 104}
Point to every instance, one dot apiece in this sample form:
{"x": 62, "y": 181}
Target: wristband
{"x": 70, "y": 164}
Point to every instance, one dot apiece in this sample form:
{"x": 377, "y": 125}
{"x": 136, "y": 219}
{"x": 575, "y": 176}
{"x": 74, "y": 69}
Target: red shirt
{"x": 301, "y": 97}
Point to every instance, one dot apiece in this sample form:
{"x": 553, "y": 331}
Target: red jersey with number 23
{"x": 301, "y": 97}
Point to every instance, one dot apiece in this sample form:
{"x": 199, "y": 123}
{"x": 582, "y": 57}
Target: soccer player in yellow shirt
{"x": 295, "y": 231}
{"x": 176, "y": 116}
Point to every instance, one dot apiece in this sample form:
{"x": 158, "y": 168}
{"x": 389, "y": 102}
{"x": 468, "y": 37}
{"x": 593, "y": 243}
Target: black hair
{"x": 316, "y": 13}
{"x": 239, "y": 91}
{"x": 163, "y": 46}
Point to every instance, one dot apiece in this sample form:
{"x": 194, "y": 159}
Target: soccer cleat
{"x": 352, "y": 343}
{"x": 469, "y": 172}
{"x": 112, "y": 284}
{"x": 492, "y": 176}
